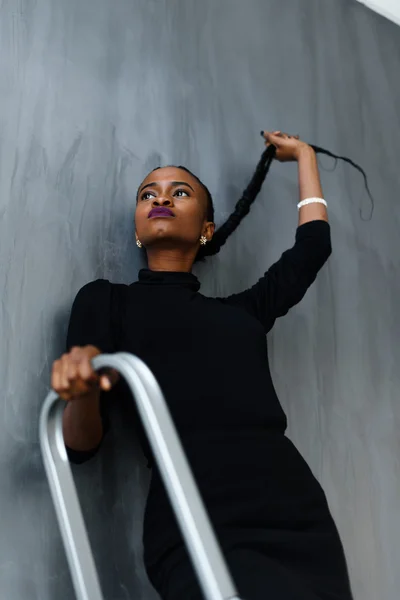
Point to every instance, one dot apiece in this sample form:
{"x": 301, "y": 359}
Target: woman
{"x": 209, "y": 356}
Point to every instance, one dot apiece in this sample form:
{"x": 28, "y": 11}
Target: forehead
{"x": 167, "y": 174}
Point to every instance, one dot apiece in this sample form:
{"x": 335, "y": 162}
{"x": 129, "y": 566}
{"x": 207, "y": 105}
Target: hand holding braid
{"x": 288, "y": 147}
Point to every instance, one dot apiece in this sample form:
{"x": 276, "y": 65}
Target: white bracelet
{"x": 311, "y": 201}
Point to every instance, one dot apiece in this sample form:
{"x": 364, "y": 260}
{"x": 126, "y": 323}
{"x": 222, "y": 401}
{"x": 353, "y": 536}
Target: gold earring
{"x": 138, "y": 243}
{"x": 203, "y": 240}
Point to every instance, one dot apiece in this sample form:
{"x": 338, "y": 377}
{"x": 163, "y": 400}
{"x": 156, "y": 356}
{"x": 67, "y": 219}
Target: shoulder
{"x": 98, "y": 292}
{"x": 99, "y": 287}
{"x": 96, "y": 286}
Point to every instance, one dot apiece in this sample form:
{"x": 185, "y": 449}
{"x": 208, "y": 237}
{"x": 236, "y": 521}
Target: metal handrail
{"x": 204, "y": 550}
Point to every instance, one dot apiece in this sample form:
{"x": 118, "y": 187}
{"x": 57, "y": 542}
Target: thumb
{"x": 109, "y": 379}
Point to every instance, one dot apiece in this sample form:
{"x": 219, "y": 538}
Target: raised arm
{"x": 287, "y": 281}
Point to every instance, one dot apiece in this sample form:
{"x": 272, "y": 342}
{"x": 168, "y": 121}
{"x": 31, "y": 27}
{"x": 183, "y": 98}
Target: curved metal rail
{"x": 200, "y": 539}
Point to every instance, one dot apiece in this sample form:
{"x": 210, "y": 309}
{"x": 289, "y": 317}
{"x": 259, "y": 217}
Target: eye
{"x": 181, "y": 193}
{"x": 146, "y": 195}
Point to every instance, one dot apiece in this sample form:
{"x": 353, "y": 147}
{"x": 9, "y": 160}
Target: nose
{"x": 161, "y": 201}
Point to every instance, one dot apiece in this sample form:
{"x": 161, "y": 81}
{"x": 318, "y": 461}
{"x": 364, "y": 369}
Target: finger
{"x": 71, "y": 371}
{"x": 56, "y": 379}
{"x": 86, "y": 370}
{"x": 271, "y": 137}
{"x": 75, "y": 350}
{"x": 105, "y": 383}
{"x": 55, "y": 375}
{"x": 265, "y": 134}
{"x": 56, "y": 383}
{"x": 64, "y": 366}
{"x": 108, "y": 379}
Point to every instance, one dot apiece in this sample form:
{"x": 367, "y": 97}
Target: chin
{"x": 162, "y": 227}
{"x": 168, "y": 241}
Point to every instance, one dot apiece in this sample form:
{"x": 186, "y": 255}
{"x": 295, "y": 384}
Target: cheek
{"x": 139, "y": 216}
{"x": 194, "y": 214}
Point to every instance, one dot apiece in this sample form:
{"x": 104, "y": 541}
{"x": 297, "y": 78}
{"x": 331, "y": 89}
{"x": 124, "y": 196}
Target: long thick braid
{"x": 242, "y": 207}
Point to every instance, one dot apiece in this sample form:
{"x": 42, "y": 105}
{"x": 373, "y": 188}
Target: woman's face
{"x": 171, "y": 211}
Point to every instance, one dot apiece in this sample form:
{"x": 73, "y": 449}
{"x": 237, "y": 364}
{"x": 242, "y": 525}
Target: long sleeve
{"x": 91, "y": 317}
{"x": 91, "y": 323}
{"x": 96, "y": 320}
{"x": 287, "y": 281}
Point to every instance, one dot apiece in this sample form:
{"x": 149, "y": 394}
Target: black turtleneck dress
{"x": 209, "y": 356}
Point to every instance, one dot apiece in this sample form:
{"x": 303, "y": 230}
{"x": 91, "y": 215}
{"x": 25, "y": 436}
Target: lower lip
{"x": 162, "y": 215}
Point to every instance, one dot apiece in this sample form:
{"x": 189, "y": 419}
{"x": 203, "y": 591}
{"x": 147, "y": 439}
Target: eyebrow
{"x": 173, "y": 183}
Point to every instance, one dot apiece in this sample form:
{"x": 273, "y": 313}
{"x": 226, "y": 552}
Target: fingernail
{"x": 106, "y": 383}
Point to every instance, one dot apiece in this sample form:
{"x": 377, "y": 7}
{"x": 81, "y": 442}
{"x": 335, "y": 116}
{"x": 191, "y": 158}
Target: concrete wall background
{"x": 94, "y": 93}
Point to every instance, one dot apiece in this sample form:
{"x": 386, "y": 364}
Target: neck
{"x": 170, "y": 260}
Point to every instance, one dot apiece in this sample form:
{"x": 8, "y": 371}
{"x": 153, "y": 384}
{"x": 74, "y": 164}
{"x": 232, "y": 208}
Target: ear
{"x": 209, "y": 230}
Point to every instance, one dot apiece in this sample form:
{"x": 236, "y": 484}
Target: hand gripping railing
{"x": 205, "y": 553}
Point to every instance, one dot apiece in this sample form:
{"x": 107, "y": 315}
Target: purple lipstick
{"x": 160, "y": 211}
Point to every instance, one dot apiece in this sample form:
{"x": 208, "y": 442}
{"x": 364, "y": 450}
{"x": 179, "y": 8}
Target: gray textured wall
{"x": 93, "y": 93}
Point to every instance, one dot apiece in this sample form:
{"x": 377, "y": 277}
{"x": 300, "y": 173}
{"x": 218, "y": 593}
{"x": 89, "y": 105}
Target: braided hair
{"x": 243, "y": 205}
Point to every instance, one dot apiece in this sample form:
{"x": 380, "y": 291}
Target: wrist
{"x": 304, "y": 153}
{"x": 88, "y": 401}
